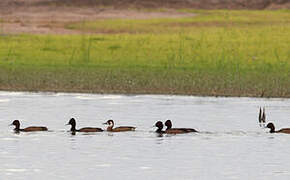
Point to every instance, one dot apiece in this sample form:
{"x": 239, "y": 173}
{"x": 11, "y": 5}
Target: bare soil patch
{"x": 51, "y": 20}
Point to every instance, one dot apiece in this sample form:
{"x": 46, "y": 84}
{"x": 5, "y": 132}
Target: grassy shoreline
{"x": 217, "y": 53}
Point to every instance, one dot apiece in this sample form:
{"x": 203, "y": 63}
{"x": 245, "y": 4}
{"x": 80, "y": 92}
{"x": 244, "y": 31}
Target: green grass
{"x": 230, "y": 53}
{"x": 199, "y": 19}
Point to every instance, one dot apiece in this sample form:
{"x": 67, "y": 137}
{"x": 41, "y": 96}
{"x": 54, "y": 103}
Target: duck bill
{"x": 66, "y": 124}
{"x": 105, "y": 123}
{"x": 10, "y": 125}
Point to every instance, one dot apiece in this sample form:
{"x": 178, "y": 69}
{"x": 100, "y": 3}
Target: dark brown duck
{"x": 272, "y": 129}
{"x": 72, "y": 122}
{"x": 17, "y": 128}
{"x": 118, "y": 129}
{"x": 170, "y": 130}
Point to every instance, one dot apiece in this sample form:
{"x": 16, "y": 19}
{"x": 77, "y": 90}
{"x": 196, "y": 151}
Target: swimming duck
{"x": 272, "y": 129}
{"x": 118, "y": 129}
{"x": 170, "y": 130}
{"x": 159, "y": 125}
{"x": 16, "y": 123}
{"x": 72, "y": 122}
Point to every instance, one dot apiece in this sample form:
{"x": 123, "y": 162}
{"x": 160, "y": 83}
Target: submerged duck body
{"x": 272, "y": 129}
{"x": 17, "y": 128}
{"x": 118, "y": 129}
{"x": 72, "y": 122}
{"x": 170, "y": 130}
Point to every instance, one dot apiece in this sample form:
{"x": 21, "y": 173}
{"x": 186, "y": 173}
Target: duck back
{"x": 179, "y": 130}
{"x": 285, "y": 130}
{"x": 34, "y": 128}
{"x": 123, "y": 128}
{"x": 189, "y": 129}
{"x": 90, "y": 129}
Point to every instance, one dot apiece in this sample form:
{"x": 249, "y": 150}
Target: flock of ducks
{"x": 158, "y": 124}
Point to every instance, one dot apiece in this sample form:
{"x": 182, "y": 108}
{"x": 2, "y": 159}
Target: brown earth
{"x": 44, "y": 20}
{"x": 198, "y": 4}
{"x": 50, "y": 19}
{"x": 49, "y": 16}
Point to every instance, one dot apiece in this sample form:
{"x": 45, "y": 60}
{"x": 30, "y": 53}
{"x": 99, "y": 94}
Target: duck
{"x": 16, "y": 123}
{"x": 170, "y": 130}
{"x": 272, "y": 129}
{"x": 72, "y": 122}
{"x": 159, "y": 126}
{"x": 111, "y": 128}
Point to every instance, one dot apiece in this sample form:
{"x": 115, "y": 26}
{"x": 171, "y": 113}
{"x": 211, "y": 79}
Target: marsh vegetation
{"x": 211, "y": 52}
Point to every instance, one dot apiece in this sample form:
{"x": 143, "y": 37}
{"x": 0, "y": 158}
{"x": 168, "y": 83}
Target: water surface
{"x": 231, "y": 145}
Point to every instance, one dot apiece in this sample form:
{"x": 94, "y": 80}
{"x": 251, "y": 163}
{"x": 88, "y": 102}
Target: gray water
{"x": 231, "y": 144}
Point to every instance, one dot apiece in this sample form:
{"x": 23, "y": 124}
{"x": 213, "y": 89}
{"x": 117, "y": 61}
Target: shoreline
{"x": 136, "y": 94}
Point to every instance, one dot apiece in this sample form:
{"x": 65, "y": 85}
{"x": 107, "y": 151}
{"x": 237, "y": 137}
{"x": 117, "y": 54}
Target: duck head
{"x": 159, "y": 125}
{"x": 16, "y": 123}
{"x": 110, "y": 122}
{"x": 168, "y": 124}
{"x": 271, "y": 127}
{"x": 72, "y": 122}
